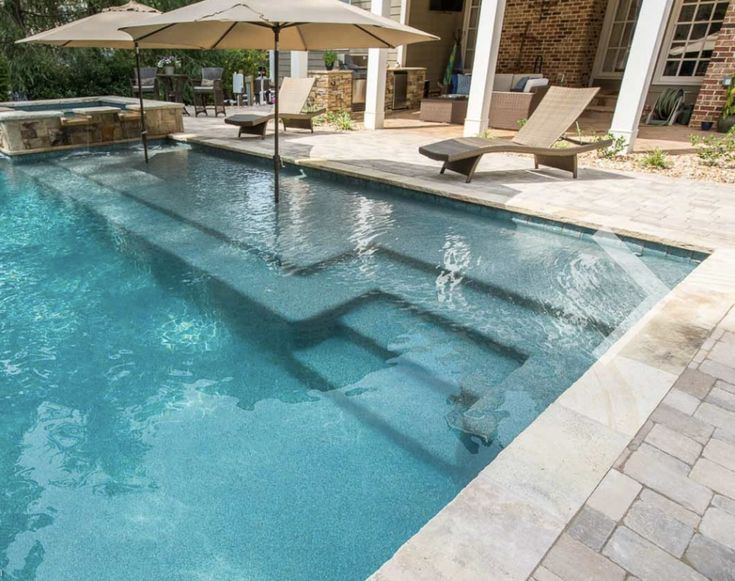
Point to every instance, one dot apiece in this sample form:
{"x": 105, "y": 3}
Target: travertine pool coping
{"x": 502, "y": 523}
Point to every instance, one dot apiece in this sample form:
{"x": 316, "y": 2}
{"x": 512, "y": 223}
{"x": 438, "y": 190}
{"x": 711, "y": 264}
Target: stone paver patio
{"x": 666, "y": 510}
{"x": 556, "y": 504}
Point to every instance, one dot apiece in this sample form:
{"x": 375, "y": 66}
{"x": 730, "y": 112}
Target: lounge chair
{"x": 558, "y": 110}
{"x": 292, "y": 99}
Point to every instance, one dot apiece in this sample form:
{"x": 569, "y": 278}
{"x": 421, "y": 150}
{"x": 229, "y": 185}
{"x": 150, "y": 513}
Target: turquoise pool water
{"x": 66, "y": 107}
{"x": 195, "y": 385}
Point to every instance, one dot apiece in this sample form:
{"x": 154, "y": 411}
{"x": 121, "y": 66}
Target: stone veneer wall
{"x": 711, "y": 96}
{"x": 565, "y": 32}
{"x": 332, "y": 90}
{"x": 415, "y": 91}
{"x": 27, "y": 134}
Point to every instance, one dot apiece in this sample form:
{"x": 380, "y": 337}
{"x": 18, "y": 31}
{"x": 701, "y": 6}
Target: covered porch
{"x": 634, "y": 50}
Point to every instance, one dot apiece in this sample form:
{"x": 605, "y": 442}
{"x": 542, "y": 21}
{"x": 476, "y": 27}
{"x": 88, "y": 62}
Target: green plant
{"x": 330, "y": 57}
{"x": 716, "y": 150}
{"x": 521, "y": 123}
{"x": 339, "y": 120}
{"x": 486, "y": 134}
{"x": 615, "y": 149}
{"x": 728, "y": 109}
{"x": 655, "y": 159}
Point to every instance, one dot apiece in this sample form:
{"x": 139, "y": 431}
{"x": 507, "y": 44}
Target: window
{"x": 619, "y": 37}
{"x": 692, "y": 40}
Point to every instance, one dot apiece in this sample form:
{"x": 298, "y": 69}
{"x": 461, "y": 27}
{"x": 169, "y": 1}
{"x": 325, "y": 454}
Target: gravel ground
{"x": 686, "y": 166}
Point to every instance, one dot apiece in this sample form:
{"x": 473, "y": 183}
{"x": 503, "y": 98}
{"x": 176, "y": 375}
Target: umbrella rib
{"x": 387, "y": 45}
{"x": 154, "y": 32}
{"x": 221, "y": 38}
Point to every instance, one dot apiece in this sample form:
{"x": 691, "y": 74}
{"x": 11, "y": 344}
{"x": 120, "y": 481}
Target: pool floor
{"x": 199, "y": 385}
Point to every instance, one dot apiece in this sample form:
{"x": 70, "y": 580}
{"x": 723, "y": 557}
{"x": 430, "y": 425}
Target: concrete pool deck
{"x": 631, "y": 472}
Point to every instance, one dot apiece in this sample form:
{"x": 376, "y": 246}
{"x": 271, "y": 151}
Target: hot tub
{"x": 48, "y": 125}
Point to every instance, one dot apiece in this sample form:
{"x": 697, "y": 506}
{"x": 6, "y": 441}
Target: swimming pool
{"x": 198, "y": 385}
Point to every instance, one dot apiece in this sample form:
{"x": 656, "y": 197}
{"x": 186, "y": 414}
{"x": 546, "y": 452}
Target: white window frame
{"x": 658, "y": 77}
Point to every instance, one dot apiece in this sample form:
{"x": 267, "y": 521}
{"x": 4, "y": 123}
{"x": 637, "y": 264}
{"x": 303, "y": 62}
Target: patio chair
{"x": 667, "y": 108}
{"x": 292, "y": 98}
{"x": 148, "y": 81}
{"x": 558, "y": 110}
{"x": 210, "y": 84}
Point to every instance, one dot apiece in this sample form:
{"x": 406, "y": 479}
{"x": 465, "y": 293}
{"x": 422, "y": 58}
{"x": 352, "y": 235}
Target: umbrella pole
{"x": 276, "y": 156}
{"x": 143, "y": 131}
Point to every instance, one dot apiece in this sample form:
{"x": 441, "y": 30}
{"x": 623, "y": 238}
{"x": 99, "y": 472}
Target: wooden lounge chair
{"x": 292, "y": 99}
{"x": 558, "y": 110}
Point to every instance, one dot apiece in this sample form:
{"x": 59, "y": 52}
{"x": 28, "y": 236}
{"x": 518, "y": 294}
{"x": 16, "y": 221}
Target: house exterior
{"x": 632, "y": 49}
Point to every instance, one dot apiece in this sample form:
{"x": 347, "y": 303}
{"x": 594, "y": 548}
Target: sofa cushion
{"x": 503, "y": 82}
{"x": 533, "y": 83}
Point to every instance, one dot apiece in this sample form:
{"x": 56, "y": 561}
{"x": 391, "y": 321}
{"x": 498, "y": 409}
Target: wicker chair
{"x": 210, "y": 84}
{"x": 148, "y": 81}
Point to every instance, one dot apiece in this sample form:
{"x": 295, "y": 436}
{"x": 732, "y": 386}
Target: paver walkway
{"x": 666, "y": 510}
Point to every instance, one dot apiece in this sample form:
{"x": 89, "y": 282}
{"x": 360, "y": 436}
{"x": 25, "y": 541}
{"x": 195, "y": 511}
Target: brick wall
{"x": 565, "y": 32}
{"x": 712, "y": 94}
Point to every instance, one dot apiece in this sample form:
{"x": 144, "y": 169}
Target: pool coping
{"x": 504, "y": 521}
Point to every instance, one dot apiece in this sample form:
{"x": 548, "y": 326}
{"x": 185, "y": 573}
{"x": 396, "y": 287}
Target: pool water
{"x": 195, "y": 384}
{"x": 66, "y": 106}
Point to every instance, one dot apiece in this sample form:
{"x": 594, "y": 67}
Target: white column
{"x": 483, "y": 67}
{"x": 644, "y": 50}
{"x": 376, "y": 72}
{"x": 299, "y": 64}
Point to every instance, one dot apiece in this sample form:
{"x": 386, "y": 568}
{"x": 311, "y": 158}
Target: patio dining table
{"x": 173, "y": 87}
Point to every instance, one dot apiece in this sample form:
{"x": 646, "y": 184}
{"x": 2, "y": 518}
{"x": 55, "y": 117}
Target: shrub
{"x": 728, "y": 109}
{"x": 616, "y": 148}
{"x": 655, "y": 159}
{"x": 487, "y": 134}
{"x": 339, "y": 120}
{"x": 716, "y": 150}
{"x": 521, "y": 123}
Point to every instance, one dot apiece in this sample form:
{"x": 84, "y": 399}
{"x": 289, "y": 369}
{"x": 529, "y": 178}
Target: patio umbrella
{"x": 101, "y": 30}
{"x": 275, "y": 24}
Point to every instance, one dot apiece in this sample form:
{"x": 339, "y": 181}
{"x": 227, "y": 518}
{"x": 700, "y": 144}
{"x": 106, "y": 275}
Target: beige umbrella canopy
{"x": 303, "y": 24}
{"x": 101, "y": 30}
{"x": 275, "y": 24}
